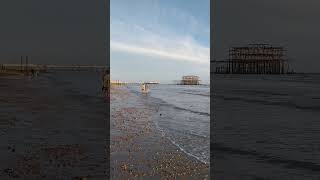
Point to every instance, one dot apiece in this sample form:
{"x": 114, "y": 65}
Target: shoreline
{"x": 138, "y": 148}
{"x": 4, "y": 73}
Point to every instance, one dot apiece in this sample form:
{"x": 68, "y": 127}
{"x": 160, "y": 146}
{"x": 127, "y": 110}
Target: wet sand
{"x": 48, "y": 130}
{"x": 138, "y": 149}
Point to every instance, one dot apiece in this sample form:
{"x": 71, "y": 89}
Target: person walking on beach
{"x": 32, "y": 73}
{"x": 106, "y": 83}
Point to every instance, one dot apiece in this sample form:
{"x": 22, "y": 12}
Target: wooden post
{"x": 27, "y": 64}
{"x": 21, "y": 68}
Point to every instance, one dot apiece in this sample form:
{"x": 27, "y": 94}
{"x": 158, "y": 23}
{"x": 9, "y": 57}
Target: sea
{"x": 266, "y": 126}
{"x": 182, "y": 115}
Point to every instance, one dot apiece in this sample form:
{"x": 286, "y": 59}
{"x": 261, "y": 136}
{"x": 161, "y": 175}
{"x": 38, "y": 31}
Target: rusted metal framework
{"x": 254, "y": 59}
{"x": 190, "y": 80}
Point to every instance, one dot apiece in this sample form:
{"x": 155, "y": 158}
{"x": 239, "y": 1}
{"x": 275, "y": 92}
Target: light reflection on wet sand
{"x": 139, "y": 150}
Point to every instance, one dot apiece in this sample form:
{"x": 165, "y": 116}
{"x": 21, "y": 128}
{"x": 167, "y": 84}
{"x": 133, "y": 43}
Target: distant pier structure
{"x": 253, "y": 59}
{"x": 189, "y": 80}
{"x": 152, "y": 82}
{"x": 118, "y": 83}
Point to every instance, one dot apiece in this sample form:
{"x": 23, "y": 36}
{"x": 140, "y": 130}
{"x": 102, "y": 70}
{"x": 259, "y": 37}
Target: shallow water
{"x": 183, "y": 116}
{"x": 138, "y": 143}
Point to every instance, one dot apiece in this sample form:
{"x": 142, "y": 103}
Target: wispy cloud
{"x": 132, "y": 38}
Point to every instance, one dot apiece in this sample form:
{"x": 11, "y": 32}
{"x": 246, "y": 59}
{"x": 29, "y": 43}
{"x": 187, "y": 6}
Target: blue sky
{"x": 159, "y": 39}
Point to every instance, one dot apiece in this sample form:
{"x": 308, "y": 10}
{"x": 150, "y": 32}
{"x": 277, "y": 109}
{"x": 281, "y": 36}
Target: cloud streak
{"x": 199, "y": 58}
{"x": 132, "y": 38}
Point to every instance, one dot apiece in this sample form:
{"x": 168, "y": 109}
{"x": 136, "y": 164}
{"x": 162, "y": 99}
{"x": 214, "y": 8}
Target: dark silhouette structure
{"x": 253, "y": 59}
{"x": 190, "y": 80}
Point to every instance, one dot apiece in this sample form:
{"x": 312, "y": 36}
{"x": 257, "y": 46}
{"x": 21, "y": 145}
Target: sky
{"x": 159, "y": 40}
{"x": 62, "y": 32}
{"x": 289, "y": 23}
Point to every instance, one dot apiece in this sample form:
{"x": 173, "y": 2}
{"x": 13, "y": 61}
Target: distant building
{"x": 253, "y": 59}
{"x": 190, "y": 80}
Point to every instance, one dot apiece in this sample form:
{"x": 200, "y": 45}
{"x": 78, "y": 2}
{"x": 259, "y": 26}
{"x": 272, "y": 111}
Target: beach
{"x": 139, "y": 150}
{"x": 5, "y": 73}
{"x": 53, "y": 126}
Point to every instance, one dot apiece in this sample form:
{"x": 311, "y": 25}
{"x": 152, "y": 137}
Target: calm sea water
{"x": 183, "y": 116}
{"x": 266, "y": 127}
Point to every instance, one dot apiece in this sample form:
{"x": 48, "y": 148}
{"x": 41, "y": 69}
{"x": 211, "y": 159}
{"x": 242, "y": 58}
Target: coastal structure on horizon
{"x": 253, "y": 59}
{"x": 152, "y": 82}
{"x": 24, "y": 68}
{"x": 118, "y": 83}
{"x": 189, "y": 80}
